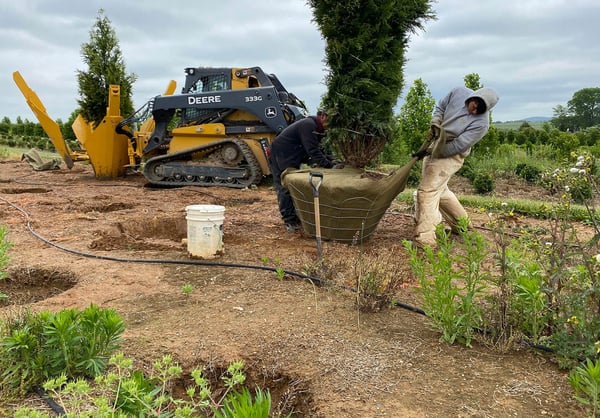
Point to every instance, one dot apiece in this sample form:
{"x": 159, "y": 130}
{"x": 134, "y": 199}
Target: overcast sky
{"x": 535, "y": 53}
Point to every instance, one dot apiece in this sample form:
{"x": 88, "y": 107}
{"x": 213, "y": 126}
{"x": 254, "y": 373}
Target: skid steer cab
{"x": 216, "y": 132}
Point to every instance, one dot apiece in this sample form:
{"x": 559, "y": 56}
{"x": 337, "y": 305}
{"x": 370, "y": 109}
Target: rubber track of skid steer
{"x": 185, "y": 159}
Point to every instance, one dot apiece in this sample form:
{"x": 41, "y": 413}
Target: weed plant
{"x": 585, "y": 380}
{"x": 452, "y": 282}
{"x": 377, "y": 281}
{"x": 127, "y": 392}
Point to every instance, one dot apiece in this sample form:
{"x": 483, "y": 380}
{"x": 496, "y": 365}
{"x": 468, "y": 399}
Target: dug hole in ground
{"x": 309, "y": 345}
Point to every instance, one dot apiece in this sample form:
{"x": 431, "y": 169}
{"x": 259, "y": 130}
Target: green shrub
{"x": 467, "y": 171}
{"x": 127, "y": 392}
{"x": 483, "y": 183}
{"x": 528, "y": 172}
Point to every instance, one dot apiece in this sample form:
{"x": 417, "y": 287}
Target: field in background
{"x": 516, "y": 124}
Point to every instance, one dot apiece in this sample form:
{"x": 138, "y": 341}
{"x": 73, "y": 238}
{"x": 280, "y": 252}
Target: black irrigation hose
{"x": 315, "y": 280}
{"x": 51, "y": 402}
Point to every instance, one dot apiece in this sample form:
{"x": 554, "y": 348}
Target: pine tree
{"x": 365, "y": 45}
{"x": 106, "y": 66}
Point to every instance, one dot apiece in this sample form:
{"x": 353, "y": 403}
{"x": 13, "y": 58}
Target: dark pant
{"x": 284, "y": 199}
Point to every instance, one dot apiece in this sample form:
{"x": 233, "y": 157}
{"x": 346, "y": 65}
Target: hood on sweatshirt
{"x": 487, "y": 95}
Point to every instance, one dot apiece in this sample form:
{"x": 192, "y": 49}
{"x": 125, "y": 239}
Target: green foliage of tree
{"x": 563, "y": 144}
{"x": 67, "y": 131}
{"x": 413, "y": 122}
{"x": 489, "y": 142}
{"x": 561, "y": 119}
{"x": 589, "y": 136}
{"x": 473, "y": 81}
{"x": 106, "y": 66}
{"x": 5, "y": 126}
{"x": 365, "y": 45}
{"x": 585, "y": 107}
{"x": 415, "y": 115}
{"x": 581, "y": 112}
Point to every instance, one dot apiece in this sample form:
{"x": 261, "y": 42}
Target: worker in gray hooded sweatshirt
{"x": 464, "y": 116}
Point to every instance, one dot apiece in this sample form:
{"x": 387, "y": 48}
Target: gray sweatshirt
{"x": 463, "y": 130}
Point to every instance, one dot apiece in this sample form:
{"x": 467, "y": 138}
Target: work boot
{"x": 292, "y": 227}
{"x": 425, "y": 240}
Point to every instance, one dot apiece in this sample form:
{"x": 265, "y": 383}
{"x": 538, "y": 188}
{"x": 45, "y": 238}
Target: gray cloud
{"x": 535, "y": 53}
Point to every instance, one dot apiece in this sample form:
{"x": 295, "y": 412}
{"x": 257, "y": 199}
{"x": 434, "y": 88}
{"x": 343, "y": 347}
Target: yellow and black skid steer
{"x": 216, "y": 132}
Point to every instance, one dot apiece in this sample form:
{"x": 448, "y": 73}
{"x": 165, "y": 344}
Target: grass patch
{"x": 14, "y": 154}
{"x": 525, "y": 207}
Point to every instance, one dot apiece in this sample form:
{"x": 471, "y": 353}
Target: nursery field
{"x": 102, "y": 242}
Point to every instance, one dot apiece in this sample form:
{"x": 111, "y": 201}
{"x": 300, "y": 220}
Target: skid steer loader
{"x": 216, "y": 132}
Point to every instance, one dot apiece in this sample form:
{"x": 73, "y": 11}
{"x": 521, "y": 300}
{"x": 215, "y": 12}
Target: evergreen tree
{"x": 415, "y": 116}
{"x": 5, "y": 126}
{"x": 105, "y": 67}
{"x": 365, "y": 45}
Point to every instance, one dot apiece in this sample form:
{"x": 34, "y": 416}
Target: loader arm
{"x": 48, "y": 124}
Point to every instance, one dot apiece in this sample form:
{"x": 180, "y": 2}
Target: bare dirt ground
{"x": 308, "y": 344}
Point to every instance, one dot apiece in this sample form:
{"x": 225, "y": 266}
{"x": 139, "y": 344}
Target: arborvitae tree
{"x": 5, "y": 126}
{"x": 364, "y": 53}
{"x": 415, "y": 115}
{"x": 105, "y": 67}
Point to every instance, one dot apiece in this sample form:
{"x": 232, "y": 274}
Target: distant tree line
{"x": 26, "y": 134}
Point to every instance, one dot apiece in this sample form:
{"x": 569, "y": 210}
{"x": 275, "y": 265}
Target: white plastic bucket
{"x": 205, "y": 230}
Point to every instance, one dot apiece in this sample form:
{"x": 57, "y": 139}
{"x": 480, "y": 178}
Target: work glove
{"x": 434, "y": 132}
{"x": 422, "y": 153}
{"x": 337, "y": 163}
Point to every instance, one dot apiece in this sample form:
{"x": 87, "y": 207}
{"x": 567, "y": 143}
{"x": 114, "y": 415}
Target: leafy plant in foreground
{"x": 451, "y": 283}
{"x": 585, "y": 380}
{"x": 241, "y": 405}
{"x": 125, "y": 391}
{"x": 40, "y": 346}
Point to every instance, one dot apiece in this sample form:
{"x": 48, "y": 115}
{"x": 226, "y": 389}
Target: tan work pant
{"x": 435, "y": 202}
